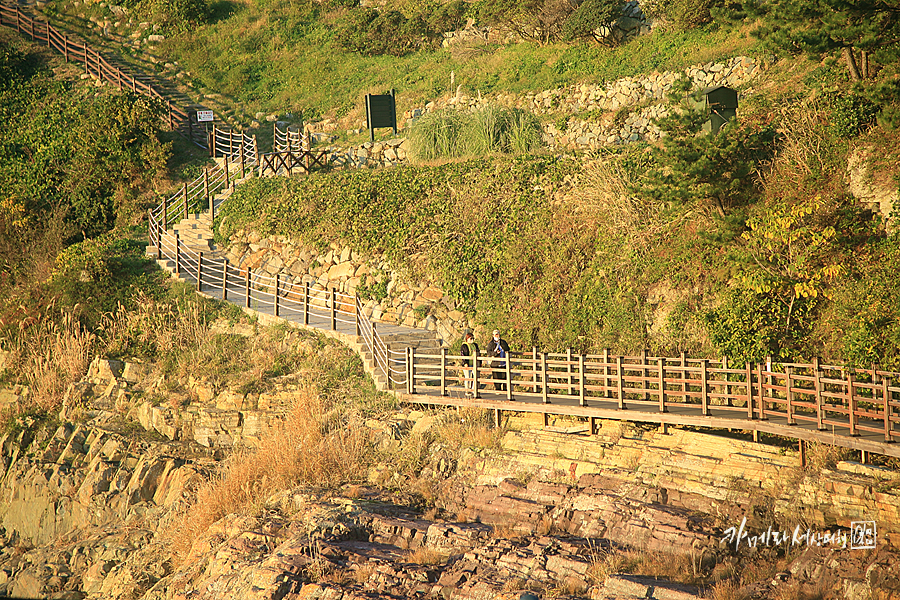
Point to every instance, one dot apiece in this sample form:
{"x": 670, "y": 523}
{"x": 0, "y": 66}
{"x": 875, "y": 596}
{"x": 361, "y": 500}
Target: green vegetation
{"x": 73, "y": 162}
{"x": 453, "y": 134}
{"x": 316, "y": 59}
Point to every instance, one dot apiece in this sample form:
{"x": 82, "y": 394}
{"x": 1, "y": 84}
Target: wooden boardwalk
{"x": 814, "y": 402}
{"x": 684, "y": 415}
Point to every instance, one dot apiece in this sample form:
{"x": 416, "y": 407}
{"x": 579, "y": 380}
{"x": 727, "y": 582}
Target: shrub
{"x": 589, "y": 17}
{"x": 451, "y": 133}
{"x": 172, "y": 15}
{"x": 372, "y": 33}
{"x": 687, "y": 14}
{"x": 850, "y": 114}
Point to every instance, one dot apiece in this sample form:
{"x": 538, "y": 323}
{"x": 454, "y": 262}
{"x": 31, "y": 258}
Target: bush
{"x": 687, "y": 14}
{"x": 372, "y": 33}
{"x": 590, "y": 16}
{"x": 172, "y": 15}
{"x": 850, "y": 114}
{"x": 73, "y": 161}
{"x": 450, "y": 133}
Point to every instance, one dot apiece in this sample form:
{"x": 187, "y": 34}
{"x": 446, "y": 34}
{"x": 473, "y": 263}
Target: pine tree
{"x": 716, "y": 168}
{"x": 826, "y": 26}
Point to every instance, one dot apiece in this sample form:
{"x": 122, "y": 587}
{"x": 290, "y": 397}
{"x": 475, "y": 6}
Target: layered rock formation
{"x": 87, "y": 507}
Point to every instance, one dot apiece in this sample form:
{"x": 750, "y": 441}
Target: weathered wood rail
{"x": 42, "y": 32}
{"x": 856, "y": 408}
{"x": 281, "y": 297}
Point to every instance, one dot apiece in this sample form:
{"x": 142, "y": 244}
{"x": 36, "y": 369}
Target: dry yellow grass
{"x": 317, "y": 445}
{"x": 425, "y": 556}
{"x": 52, "y": 356}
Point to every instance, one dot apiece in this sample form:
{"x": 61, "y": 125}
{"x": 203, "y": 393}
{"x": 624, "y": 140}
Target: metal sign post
{"x": 381, "y": 111}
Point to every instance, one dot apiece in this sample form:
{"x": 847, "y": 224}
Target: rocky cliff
{"x": 88, "y": 506}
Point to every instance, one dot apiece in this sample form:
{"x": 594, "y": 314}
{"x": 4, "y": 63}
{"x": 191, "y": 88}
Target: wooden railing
{"x": 292, "y": 152}
{"x": 239, "y": 156}
{"x": 177, "y": 118}
{"x": 848, "y": 401}
{"x": 284, "y": 298}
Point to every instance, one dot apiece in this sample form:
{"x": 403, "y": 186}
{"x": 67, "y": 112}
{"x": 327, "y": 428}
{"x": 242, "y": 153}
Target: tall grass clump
{"x": 487, "y": 130}
{"x": 51, "y": 355}
{"x": 524, "y": 132}
{"x": 437, "y": 135}
{"x": 322, "y": 442}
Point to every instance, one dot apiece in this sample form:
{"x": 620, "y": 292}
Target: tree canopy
{"x": 824, "y": 26}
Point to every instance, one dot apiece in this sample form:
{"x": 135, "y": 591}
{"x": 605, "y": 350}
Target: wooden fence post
{"x": 568, "y": 371}
{"x": 200, "y": 271}
{"x": 277, "y": 285}
{"x": 333, "y": 311}
{"x": 817, "y": 381}
{"x": 227, "y": 176}
{"x": 475, "y": 387}
{"x": 243, "y": 165}
{"x": 534, "y": 369}
{"x": 306, "y": 313}
{"x": 581, "y": 381}
{"x": 356, "y": 309}
{"x": 545, "y": 388}
{"x": 762, "y": 395}
{"x": 684, "y": 384}
{"x": 662, "y": 385}
{"x": 224, "y": 279}
{"x": 749, "y": 376}
{"x": 886, "y": 397}
{"x": 620, "y": 382}
{"x": 443, "y": 371}
{"x": 412, "y": 371}
{"x": 206, "y": 186}
{"x": 606, "y": 386}
{"x": 645, "y": 383}
{"x": 247, "y": 288}
{"x": 851, "y": 403}
{"x": 177, "y": 255}
{"x": 789, "y": 395}
{"x": 165, "y": 215}
{"x": 704, "y": 392}
{"x": 509, "y": 394}
{"x": 184, "y": 198}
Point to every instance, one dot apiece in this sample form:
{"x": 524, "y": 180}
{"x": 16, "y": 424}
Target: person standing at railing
{"x": 498, "y": 348}
{"x": 469, "y": 348}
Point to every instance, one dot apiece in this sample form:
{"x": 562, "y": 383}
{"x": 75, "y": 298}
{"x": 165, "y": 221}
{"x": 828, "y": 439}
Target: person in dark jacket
{"x": 498, "y": 348}
{"x": 469, "y": 348}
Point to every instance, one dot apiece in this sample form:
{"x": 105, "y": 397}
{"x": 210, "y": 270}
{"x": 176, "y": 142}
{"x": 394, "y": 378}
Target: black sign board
{"x": 381, "y": 111}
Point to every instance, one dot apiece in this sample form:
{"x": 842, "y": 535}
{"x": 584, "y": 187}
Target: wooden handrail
{"x": 860, "y": 400}
{"x": 95, "y": 64}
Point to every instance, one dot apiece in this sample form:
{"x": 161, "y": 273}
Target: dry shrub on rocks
{"x": 320, "y": 443}
{"x": 53, "y": 354}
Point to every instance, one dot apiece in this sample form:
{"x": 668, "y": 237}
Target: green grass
{"x": 274, "y": 59}
{"x": 279, "y": 56}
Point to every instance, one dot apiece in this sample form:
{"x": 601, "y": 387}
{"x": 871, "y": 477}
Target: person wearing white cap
{"x": 498, "y": 348}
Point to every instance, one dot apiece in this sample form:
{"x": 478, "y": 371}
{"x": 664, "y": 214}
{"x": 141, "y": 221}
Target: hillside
{"x": 552, "y": 179}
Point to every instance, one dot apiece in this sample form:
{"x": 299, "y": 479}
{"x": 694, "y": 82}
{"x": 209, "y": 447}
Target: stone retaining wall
{"x": 595, "y": 114}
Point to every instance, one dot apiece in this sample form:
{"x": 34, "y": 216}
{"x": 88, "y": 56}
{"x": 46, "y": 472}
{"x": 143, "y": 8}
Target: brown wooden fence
{"x": 41, "y": 32}
{"x": 845, "y": 401}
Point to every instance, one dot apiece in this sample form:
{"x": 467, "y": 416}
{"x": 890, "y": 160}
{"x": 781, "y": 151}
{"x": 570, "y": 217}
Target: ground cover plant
{"x": 269, "y": 56}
